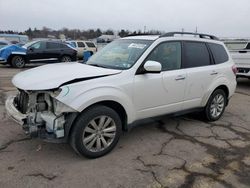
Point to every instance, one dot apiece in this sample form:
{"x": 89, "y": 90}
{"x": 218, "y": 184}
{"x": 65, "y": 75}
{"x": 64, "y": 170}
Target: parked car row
{"x": 37, "y": 51}
{"x": 42, "y": 50}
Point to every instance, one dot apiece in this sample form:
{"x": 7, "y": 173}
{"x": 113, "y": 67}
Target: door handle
{"x": 180, "y": 77}
{"x": 213, "y": 73}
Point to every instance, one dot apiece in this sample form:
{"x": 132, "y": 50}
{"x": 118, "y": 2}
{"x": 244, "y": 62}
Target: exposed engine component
{"x": 21, "y": 101}
{"x": 44, "y": 112}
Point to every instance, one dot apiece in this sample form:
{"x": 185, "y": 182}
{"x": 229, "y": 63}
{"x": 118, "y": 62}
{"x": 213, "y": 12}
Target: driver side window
{"x": 39, "y": 45}
{"x": 168, "y": 54}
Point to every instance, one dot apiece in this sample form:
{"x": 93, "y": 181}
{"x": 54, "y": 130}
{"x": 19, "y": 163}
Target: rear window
{"x": 219, "y": 53}
{"x": 90, "y": 44}
{"x": 195, "y": 55}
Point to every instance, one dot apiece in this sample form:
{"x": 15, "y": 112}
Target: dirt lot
{"x": 173, "y": 152}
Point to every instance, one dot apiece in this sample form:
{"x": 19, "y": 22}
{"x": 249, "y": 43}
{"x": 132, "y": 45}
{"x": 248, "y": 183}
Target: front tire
{"x": 96, "y": 131}
{"x": 18, "y": 62}
{"x": 216, "y": 105}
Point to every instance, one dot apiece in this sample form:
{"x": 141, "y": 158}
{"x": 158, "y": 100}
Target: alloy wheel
{"x": 99, "y": 133}
{"x": 217, "y": 105}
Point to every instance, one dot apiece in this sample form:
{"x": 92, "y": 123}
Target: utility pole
{"x": 145, "y": 29}
{"x": 196, "y": 29}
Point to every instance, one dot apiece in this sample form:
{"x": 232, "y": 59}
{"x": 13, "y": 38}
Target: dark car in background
{"x": 44, "y": 51}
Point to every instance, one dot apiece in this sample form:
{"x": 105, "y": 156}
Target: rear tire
{"x": 215, "y": 106}
{"x": 96, "y": 131}
{"x": 18, "y": 62}
{"x": 65, "y": 58}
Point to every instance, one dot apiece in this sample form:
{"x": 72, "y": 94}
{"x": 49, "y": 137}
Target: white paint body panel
{"x": 142, "y": 96}
{"x": 53, "y": 75}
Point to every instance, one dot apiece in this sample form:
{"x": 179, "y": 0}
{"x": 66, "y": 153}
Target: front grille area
{"x": 21, "y": 101}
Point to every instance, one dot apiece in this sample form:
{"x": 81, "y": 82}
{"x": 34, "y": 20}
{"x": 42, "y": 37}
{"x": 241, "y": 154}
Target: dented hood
{"x": 54, "y": 75}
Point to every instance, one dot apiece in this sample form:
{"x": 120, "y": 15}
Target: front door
{"x": 161, "y": 93}
{"x": 36, "y": 51}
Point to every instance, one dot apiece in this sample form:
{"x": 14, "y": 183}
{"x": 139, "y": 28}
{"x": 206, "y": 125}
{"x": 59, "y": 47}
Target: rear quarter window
{"x": 219, "y": 53}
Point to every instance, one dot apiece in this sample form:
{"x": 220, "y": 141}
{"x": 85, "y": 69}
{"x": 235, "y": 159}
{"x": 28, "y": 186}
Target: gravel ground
{"x": 171, "y": 152}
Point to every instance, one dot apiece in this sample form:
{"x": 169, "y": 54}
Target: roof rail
{"x": 201, "y": 35}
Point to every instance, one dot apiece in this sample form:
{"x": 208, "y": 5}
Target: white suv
{"x": 133, "y": 78}
{"x": 83, "y": 46}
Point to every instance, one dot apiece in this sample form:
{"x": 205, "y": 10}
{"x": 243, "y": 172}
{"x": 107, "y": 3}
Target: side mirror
{"x": 31, "y": 49}
{"x": 152, "y": 67}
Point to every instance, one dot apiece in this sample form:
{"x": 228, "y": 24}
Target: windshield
{"x": 120, "y": 54}
{"x": 28, "y": 44}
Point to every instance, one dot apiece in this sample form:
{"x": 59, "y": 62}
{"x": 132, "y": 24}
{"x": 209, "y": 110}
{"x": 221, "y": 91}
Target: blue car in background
{"x": 4, "y": 43}
{"x": 37, "y": 51}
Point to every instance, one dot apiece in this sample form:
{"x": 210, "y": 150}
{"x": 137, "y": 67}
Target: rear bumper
{"x": 13, "y": 112}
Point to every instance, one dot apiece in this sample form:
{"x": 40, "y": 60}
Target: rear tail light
{"x": 234, "y": 69}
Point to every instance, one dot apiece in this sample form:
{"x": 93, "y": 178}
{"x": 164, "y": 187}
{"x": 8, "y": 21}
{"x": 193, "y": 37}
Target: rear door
{"x": 53, "y": 50}
{"x": 201, "y": 71}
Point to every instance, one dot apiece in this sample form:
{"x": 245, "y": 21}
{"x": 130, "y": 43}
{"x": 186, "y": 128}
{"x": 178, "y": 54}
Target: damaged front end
{"x": 40, "y": 113}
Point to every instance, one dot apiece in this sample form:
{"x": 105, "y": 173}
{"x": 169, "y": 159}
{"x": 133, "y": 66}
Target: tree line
{"x": 46, "y": 32}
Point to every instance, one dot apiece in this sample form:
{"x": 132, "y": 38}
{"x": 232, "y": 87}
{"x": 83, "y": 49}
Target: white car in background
{"x": 240, "y": 52}
{"x": 133, "y": 78}
{"x": 83, "y": 46}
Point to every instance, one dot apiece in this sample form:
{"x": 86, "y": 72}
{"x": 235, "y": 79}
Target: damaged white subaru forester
{"x": 89, "y": 105}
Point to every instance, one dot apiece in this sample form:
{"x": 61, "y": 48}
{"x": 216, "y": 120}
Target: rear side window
{"x": 53, "y": 45}
{"x": 80, "y": 44}
{"x": 195, "y": 55}
{"x": 90, "y": 44}
{"x": 64, "y": 46}
{"x": 219, "y": 53}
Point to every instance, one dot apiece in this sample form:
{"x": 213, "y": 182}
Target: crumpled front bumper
{"x": 13, "y": 112}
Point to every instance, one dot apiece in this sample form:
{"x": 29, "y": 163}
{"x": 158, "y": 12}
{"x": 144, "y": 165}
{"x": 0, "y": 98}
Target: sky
{"x": 224, "y": 18}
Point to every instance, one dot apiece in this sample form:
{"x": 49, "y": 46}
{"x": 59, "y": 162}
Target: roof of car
{"x": 79, "y": 41}
{"x": 178, "y": 36}
{"x": 143, "y": 37}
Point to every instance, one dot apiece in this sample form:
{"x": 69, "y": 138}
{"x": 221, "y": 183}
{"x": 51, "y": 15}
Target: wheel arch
{"x": 13, "y": 55}
{"x": 223, "y": 87}
{"x": 116, "y": 106}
